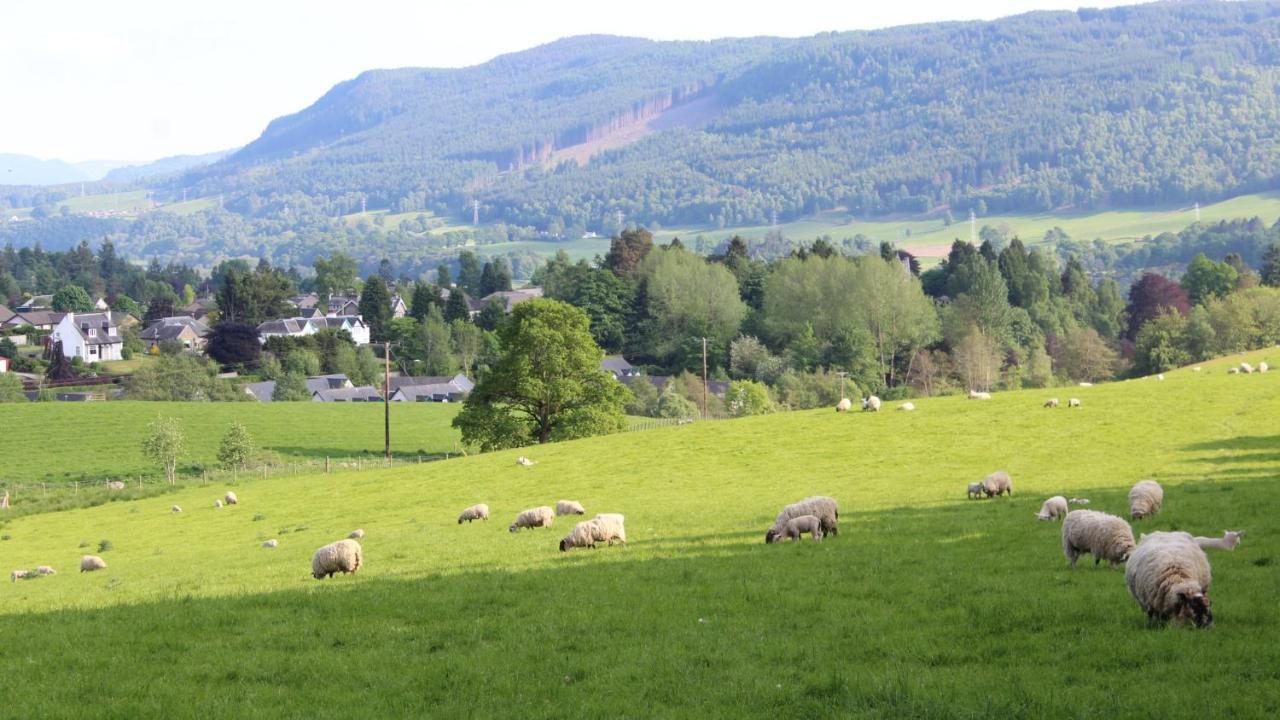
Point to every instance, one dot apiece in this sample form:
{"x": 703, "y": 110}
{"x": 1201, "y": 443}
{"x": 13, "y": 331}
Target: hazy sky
{"x": 142, "y": 79}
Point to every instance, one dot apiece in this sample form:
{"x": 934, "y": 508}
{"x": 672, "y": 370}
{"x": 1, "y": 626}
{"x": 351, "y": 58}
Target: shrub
{"x": 105, "y": 545}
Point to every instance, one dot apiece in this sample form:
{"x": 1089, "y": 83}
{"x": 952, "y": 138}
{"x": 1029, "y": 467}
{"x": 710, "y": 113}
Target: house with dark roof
{"x": 460, "y": 380}
{"x": 264, "y": 390}
{"x": 618, "y": 366}
{"x": 353, "y": 324}
{"x": 36, "y": 302}
{"x": 431, "y": 389}
{"x": 5, "y": 313}
{"x": 38, "y": 319}
{"x": 474, "y": 306}
{"x": 92, "y": 337}
{"x": 340, "y": 305}
{"x": 512, "y": 298}
{"x": 287, "y": 327}
{"x": 181, "y": 328}
{"x": 356, "y": 394}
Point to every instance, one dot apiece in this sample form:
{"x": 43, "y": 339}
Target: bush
{"x": 105, "y": 545}
{"x": 236, "y": 447}
{"x": 748, "y": 397}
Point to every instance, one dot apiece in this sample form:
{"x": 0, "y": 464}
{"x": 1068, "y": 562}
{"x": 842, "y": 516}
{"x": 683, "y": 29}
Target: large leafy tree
{"x": 1150, "y": 296}
{"x": 688, "y": 298}
{"x": 72, "y": 298}
{"x": 1206, "y": 279}
{"x": 251, "y": 297}
{"x": 628, "y": 250}
{"x": 232, "y": 343}
{"x": 336, "y": 275}
{"x": 547, "y": 384}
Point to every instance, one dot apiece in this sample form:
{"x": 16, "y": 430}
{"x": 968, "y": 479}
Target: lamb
{"x": 230, "y": 498}
{"x": 175, "y": 509}
{"x": 821, "y": 506}
{"x": 845, "y": 405}
{"x": 907, "y": 406}
{"x": 1263, "y": 367}
{"x": 797, "y": 526}
{"x": 1053, "y": 508}
{"x": 17, "y": 575}
{"x": 997, "y": 483}
{"x": 1233, "y": 370}
{"x": 569, "y": 507}
{"x": 344, "y": 556}
{"x": 217, "y": 504}
{"x": 532, "y": 518}
{"x": 1195, "y": 369}
{"x": 475, "y": 512}
{"x": 271, "y": 543}
{"x": 1160, "y": 376}
{"x": 871, "y": 404}
{"x": 357, "y": 533}
{"x": 975, "y": 395}
{"x": 1168, "y": 574}
{"x": 974, "y": 492}
{"x": 1246, "y": 368}
{"x": 1229, "y": 540}
{"x": 45, "y": 570}
{"x": 1051, "y": 403}
{"x": 604, "y": 527}
{"x": 1088, "y": 531}
{"x": 89, "y": 563}
{"x": 1073, "y": 402}
{"x": 1085, "y": 384}
{"x": 1145, "y": 499}
{"x": 525, "y": 462}
{"x": 1079, "y": 501}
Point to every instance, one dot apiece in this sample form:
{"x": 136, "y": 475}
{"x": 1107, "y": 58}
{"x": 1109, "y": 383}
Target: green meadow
{"x": 926, "y": 605}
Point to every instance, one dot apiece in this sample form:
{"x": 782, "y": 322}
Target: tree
{"x": 1205, "y": 279}
{"x": 160, "y": 306}
{"x": 7, "y": 348}
{"x": 375, "y": 307}
{"x": 976, "y": 359}
{"x": 1159, "y": 345}
{"x": 335, "y": 276}
{"x": 164, "y": 444}
{"x": 232, "y": 343}
{"x": 644, "y": 398}
{"x": 1084, "y": 356}
{"x": 181, "y": 378}
{"x": 72, "y": 298}
{"x": 469, "y": 272}
{"x": 11, "y": 389}
{"x": 236, "y": 447}
{"x": 547, "y": 384}
{"x": 443, "y": 279}
{"x": 291, "y": 387}
{"x": 302, "y": 362}
{"x": 672, "y": 404}
{"x": 59, "y": 364}
{"x": 468, "y": 344}
{"x": 1270, "y": 270}
{"x": 424, "y": 297}
{"x": 456, "y": 307}
{"x": 686, "y": 297}
{"x": 748, "y": 397}
{"x": 495, "y": 277}
{"x": 627, "y": 250}
{"x": 1149, "y": 297}
{"x": 891, "y": 305}
{"x": 125, "y": 304}
{"x": 491, "y": 315}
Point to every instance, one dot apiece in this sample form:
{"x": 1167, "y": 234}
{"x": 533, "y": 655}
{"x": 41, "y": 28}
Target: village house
{"x": 431, "y": 389}
{"x": 287, "y": 327}
{"x": 38, "y": 319}
{"x": 264, "y": 390}
{"x": 186, "y": 330}
{"x": 365, "y": 393}
{"x": 512, "y": 298}
{"x": 92, "y": 337}
{"x": 619, "y": 367}
{"x": 353, "y": 324}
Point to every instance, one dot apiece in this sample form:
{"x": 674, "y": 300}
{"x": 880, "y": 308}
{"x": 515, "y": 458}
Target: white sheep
{"x": 1088, "y": 531}
{"x": 230, "y": 498}
{"x": 1079, "y": 501}
{"x": 271, "y": 543}
{"x": 1145, "y": 499}
{"x": 1233, "y": 370}
{"x": 17, "y": 575}
{"x": 825, "y": 508}
{"x": 1195, "y": 369}
{"x": 89, "y": 563}
{"x": 1073, "y": 402}
{"x": 798, "y": 526}
{"x": 45, "y": 570}
{"x": 344, "y": 556}
{"x": 604, "y": 527}
{"x": 115, "y": 485}
{"x": 569, "y": 507}
{"x": 217, "y": 504}
{"x": 1168, "y": 574}
{"x": 976, "y": 395}
{"x": 1051, "y": 403}
{"x": 1229, "y": 540}
{"x": 974, "y": 492}
{"x": 357, "y": 533}
{"x": 582, "y": 535}
{"x": 1263, "y": 367}
{"x": 997, "y": 484}
{"x": 525, "y": 462}
{"x": 532, "y": 518}
{"x": 1160, "y": 376}
{"x": 1053, "y": 508}
{"x": 845, "y": 405}
{"x": 1246, "y": 368}
{"x": 907, "y": 406}
{"x": 871, "y": 404}
{"x": 475, "y": 512}
{"x": 1085, "y": 384}
{"x": 175, "y": 509}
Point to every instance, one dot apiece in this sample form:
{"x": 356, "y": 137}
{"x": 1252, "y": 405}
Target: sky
{"x": 136, "y": 80}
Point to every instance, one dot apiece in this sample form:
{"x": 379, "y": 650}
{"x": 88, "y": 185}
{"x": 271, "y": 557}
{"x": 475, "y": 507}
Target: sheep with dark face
{"x": 475, "y": 512}
{"x": 1145, "y": 499}
{"x": 1168, "y": 574}
{"x": 871, "y": 404}
{"x": 533, "y": 517}
{"x": 1051, "y": 403}
{"x": 820, "y": 506}
{"x": 344, "y": 556}
{"x": 845, "y": 405}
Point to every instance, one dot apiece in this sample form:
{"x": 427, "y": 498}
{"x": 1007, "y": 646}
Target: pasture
{"x": 926, "y": 605}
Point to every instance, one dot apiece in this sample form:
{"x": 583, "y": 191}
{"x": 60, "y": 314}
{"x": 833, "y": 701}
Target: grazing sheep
{"x": 974, "y": 492}
{"x": 230, "y": 498}
{"x": 357, "y": 533}
{"x": 217, "y": 504}
{"x": 825, "y": 508}
{"x": 582, "y": 535}
{"x": 1073, "y": 402}
{"x": 89, "y": 563}
{"x": 115, "y": 485}
{"x": 525, "y": 462}
{"x": 845, "y": 405}
{"x": 604, "y": 527}
{"x": 45, "y": 570}
{"x": 1079, "y": 501}
{"x": 271, "y": 543}
{"x": 17, "y": 575}
{"x": 175, "y": 509}
{"x": 1233, "y": 370}
{"x": 1229, "y": 540}
{"x": 1160, "y": 376}
{"x": 1246, "y": 368}
{"x": 1168, "y": 574}
{"x": 907, "y": 406}
{"x": 976, "y": 395}
{"x": 532, "y": 518}
{"x": 1195, "y": 369}
{"x": 1088, "y": 531}
{"x": 1053, "y": 508}
{"x": 1051, "y": 403}
{"x": 1263, "y": 367}
{"x": 1145, "y": 499}
{"x": 569, "y": 507}
{"x": 344, "y": 556}
{"x": 871, "y": 404}
{"x": 997, "y": 483}
{"x": 475, "y": 512}
{"x": 1085, "y": 384}
{"x": 798, "y": 526}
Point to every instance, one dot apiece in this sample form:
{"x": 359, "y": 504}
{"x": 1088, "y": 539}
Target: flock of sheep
{"x": 603, "y": 528}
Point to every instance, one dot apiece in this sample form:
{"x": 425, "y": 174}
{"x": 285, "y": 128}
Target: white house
{"x": 89, "y": 336}
{"x": 288, "y": 327}
{"x": 351, "y": 323}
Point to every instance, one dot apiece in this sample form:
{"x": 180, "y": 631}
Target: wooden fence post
{"x": 326, "y": 464}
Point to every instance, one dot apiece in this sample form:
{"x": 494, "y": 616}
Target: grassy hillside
{"x": 925, "y": 605}
{"x": 56, "y": 441}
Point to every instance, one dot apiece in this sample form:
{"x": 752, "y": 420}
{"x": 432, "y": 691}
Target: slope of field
{"x": 925, "y": 604}
{"x": 71, "y": 441}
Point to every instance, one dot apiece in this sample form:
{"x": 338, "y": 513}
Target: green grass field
{"x": 72, "y": 441}
{"x": 926, "y": 605}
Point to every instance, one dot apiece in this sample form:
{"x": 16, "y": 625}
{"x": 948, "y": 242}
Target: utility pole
{"x": 973, "y": 228}
{"x": 842, "y": 375}
{"x": 704, "y": 378}
{"x": 386, "y": 396}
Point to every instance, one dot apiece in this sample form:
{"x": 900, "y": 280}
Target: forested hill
{"x": 1169, "y": 102}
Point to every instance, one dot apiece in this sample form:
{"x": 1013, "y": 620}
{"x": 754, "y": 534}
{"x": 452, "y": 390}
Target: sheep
{"x": 1053, "y": 508}
{"x": 523, "y": 461}
{"x": 217, "y": 504}
{"x": 604, "y": 527}
{"x": 1229, "y": 540}
{"x": 115, "y": 485}
{"x": 1160, "y": 376}
{"x": 797, "y": 526}
{"x": 475, "y": 512}
{"x": 1168, "y": 574}
{"x": 230, "y": 498}
{"x": 1088, "y": 531}
{"x": 357, "y": 533}
{"x": 1073, "y": 402}
{"x": 1145, "y": 498}
{"x": 1051, "y": 403}
{"x": 271, "y": 543}
{"x": 1246, "y": 368}
{"x": 17, "y": 575}
{"x": 45, "y": 570}
{"x": 871, "y": 404}
{"x": 997, "y": 483}
{"x": 569, "y": 507}
{"x": 1085, "y": 384}
{"x": 1263, "y": 367}
{"x": 907, "y": 406}
{"x": 582, "y": 535}
{"x": 532, "y": 518}
{"x": 825, "y": 508}
{"x": 89, "y": 563}
{"x": 976, "y": 395}
{"x": 974, "y": 492}
{"x": 1079, "y": 501}
{"x": 845, "y": 405}
{"x": 1195, "y": 369}
{"x": 175, "y": 509}
{"x": 1233, "y": 370}
{"x": 344, "y": 556}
